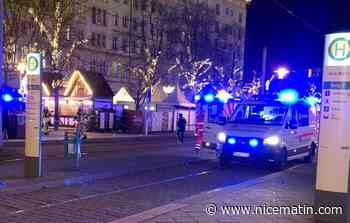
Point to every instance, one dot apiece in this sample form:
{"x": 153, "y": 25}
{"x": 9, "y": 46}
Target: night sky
{"x": 293, "y": 31}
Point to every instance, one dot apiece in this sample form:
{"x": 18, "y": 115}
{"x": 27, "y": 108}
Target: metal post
{"x": 263, "y": 73}
{"x": 2, "y": 74}
{"x": 77, "y": 147}
{"x": 66, "y": 142}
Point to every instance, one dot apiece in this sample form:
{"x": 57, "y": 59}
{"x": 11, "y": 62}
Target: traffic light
{"x": 9, "y": 96}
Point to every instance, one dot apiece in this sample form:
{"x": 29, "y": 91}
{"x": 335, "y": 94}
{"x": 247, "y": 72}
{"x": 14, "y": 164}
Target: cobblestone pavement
{"x": 145, "y": 178}
{"x": 292, "y": 187}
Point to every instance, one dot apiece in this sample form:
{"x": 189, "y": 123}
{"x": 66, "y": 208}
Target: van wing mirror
{"x": 292, "y": 125}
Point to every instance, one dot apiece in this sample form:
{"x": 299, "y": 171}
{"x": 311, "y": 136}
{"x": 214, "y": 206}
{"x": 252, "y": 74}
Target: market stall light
{"x": 282, "y": 72}
{"x": 21, "y": 67}
{"x": 224, "y": 96}
{"x": 73, "y": 79}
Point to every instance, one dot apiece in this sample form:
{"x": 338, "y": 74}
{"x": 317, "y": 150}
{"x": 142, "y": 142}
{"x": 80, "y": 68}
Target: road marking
{"x": 207, "y": 172}
{"x": 11, "y": 160}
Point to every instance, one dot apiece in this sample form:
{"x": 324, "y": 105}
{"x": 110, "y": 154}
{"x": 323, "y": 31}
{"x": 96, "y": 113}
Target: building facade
{"x": 115, "y": 32}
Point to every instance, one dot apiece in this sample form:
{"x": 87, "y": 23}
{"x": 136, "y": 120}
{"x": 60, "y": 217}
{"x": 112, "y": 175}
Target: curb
{"x": 173, "y": 206}
{"x": 140, "y": 138}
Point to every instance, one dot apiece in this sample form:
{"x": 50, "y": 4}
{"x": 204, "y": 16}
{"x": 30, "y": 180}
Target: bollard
{"x": 77, "y": 147}
{"x": 66, "y": 142}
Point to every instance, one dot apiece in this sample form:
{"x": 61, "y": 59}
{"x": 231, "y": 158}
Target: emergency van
{"x": 268, "y": 131}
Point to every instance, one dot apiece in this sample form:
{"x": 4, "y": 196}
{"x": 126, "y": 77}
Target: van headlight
{"x": 272, "y": 140}
{"x": 221, "y": 136}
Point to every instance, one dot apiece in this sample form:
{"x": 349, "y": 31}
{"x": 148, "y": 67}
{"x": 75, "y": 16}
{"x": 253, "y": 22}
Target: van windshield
{"x": 260, "y": 114}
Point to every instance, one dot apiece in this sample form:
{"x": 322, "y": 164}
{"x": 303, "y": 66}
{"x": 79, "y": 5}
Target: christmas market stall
{"x": 86, "y": 94}
{"x": 167, "y": 108}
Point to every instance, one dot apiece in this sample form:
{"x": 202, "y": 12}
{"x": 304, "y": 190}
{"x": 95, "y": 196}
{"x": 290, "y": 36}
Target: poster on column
{"x": 33, "y": 106}
{"x": 334, "y": 145}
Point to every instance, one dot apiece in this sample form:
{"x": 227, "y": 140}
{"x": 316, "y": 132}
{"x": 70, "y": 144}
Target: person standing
{"x": 181, "y": 128}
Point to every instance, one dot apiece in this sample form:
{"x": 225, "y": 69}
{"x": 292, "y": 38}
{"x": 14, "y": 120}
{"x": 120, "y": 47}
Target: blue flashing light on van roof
{"x": 223, "y": 96}
{"x": 312, "y": 100}
{"x": 209, "y": 98}
{"x": 288, "y": 96}
{"x": 7, "y": 97}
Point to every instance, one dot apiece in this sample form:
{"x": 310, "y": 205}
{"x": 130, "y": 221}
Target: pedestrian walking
{"x": 46, "y": 120}
{"x": 181, "y": 128}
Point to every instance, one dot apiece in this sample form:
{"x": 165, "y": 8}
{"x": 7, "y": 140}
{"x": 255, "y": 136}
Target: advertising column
{"x": 332, "y": 183}
{"x": 32, "y": 167}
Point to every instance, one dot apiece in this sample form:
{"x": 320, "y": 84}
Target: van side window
{"x": 303, "y": 115}
{"x": 214, "y": 112}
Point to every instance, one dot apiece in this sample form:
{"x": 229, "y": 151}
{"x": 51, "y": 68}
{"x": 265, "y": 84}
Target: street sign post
{"x": 33, "y": 159}
{"x": 332, "y": 184}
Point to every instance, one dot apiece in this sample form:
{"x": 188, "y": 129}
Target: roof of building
{"x": 94, "y": 81}
{"x": 122, "y": 96}
{"x": 177, "y": 98}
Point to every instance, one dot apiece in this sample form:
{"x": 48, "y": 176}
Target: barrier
{"x": 72, "y": 147}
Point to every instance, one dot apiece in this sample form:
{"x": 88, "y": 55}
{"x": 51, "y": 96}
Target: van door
{"x": 291, "y": 135}
{"x": 305, "y": 131}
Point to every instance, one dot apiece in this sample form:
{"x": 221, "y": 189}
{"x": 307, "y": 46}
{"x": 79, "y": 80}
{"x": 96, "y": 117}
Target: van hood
{"x": 245, "y": 130}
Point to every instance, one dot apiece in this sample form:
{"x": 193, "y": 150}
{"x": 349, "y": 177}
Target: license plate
{"x": 240, "y": 154}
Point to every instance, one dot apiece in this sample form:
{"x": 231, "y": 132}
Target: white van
{"x": 268, "y": 131}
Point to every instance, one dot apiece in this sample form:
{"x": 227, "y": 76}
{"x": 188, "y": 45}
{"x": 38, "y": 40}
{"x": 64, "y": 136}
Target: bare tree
{"x": 57, "y": 21}
{"x": 147, "y": 68}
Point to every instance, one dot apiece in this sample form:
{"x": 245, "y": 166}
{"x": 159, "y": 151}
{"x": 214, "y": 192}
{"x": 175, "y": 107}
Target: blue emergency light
{"x": 253, "y": 143}
{"x": 209, "y": 98}
{"x": 7, "y": 97}
{"x": 288, "y": 96}
{"x": 312, "y": 100}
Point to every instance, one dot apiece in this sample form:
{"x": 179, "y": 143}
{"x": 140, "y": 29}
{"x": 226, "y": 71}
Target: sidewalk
{"x": 291, "y": 187}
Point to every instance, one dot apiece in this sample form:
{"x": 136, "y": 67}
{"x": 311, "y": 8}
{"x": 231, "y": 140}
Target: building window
{"x": 136, "y": 4}
{"x": 217, "y": 9}
{"x": 98, "y": 40}
{"x": 124, "y": 45}
{"x": 126, "y": 2}
{"x": 115, "y": 43}
{"x": 116, "y": 19}
{"x": 227, "y": 11}
{"x": 125, "y": 21}
{"x": 104, "y": 18}
{"x": 217, "y": 27}
{"x": 98, "y": 16}
{"x": 232, "y": 13}
{"x": 93, "y": 15}
{"x": 103, "y": 41}
{"x": 240, "y": 18}
{"x": 93, "y": 39}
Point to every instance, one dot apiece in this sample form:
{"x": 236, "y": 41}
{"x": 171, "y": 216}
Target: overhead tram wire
{"x": 299, "y": 18}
